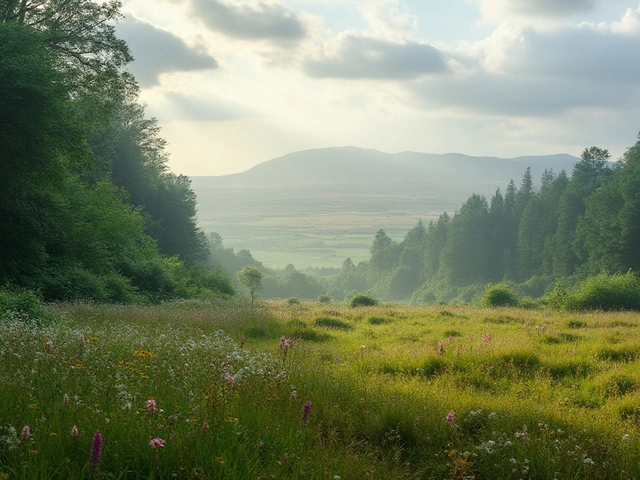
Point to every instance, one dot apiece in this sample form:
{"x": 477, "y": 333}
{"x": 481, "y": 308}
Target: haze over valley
{"x": 318, "y": 207}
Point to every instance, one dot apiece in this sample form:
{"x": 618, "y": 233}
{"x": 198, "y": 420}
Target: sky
{"x": 234, "y": 83}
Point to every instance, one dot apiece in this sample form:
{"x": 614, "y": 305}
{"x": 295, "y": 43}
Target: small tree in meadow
{"x": 499, "y": 295}
{"x": 362, "y": 300}
{"x": 251, "y": 278}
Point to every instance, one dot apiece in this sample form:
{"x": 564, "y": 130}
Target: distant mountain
{"x": 297, "y": 205}
{"x": 352, "y": 164}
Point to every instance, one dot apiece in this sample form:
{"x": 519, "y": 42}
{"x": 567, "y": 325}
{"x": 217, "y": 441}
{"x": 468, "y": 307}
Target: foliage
{"x": 362, "y": 300}
{"x": 24, "y": 305}
{"x": 251, "y": 278}
{"x": 499, "y": 295}
{"x": 324, "y": 299}
{"x": 606, "y": 292}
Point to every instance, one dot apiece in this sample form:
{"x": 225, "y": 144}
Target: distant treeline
{"x": 88, "y": 207}
{"x": 568, "y": 229}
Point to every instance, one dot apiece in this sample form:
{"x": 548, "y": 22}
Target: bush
{"x": 324, "y": 299}
{"x": 499, "y": 295}
{"x": 24, "y": 305}
{"x": 361, "y": 300}
{"x": 328, "y": 322}
{"x": 293, "y": 301}
{"x": 607, "y": 292}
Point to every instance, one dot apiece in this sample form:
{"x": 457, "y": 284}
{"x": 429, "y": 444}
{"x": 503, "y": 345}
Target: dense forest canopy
{"x": 88, "y": 207}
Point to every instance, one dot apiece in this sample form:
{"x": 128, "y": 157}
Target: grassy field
{"x": 279, "y": 390}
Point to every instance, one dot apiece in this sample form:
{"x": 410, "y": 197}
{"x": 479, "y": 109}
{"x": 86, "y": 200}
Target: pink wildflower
{"x": 451, "y": 419}
{"x": 74, "y": 432}
{"x": 205, "y": 426}
{"x": 230, "y": 380}
{"x": 306, "y": 412}
{"x": 26, "y": 433}
{"x": 151, "y": 405}
{"x": 156, "y": 443}
{"x": 96, "y": 452}
{"x": 294, "y": 394}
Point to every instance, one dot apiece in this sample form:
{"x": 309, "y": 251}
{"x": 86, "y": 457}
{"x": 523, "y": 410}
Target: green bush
{"x": 324, "y": 299}
{"x": 361, "y": 300}
{"x": 293, "y": 301}
{"x": 24, "y": 305}
{"x": 329, "y": 322}
{"x": 606, "y": 292}
{"x": 499, "y": 295}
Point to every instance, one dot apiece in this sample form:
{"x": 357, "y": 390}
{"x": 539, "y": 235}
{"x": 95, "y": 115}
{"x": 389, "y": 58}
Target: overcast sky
{"x": 234, "y": 83}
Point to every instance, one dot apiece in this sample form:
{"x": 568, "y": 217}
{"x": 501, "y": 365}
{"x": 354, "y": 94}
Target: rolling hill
{"x": 316, "y": 207}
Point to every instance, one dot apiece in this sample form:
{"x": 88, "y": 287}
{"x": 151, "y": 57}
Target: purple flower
{"x": 26, "y": 432}
{"x": 151, "y": 405}
{"x": 96, "y": 452}
{"x": 451, "y": 419}
{"x": 156, "y": 443}
{"x": 306, "y": 412}
{"x": 74, "y": 432}
{"x": 230, "y": 380}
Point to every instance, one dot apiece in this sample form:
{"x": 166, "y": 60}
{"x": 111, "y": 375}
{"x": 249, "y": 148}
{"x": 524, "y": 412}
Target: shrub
{"x": 324, "y": 299}
{"x": 293, "y": 301}
{"x": 607, "y": 292}
{"x": 24, "y": 305}
{"x": 361, "y": 300}
{"x": 499, "y": 295}
{"x": 332, "y": 323}
{"x": 377, "y": 320}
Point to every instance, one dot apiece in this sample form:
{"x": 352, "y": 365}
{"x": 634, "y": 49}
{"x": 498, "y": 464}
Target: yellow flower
{"x": 33, "y": 406}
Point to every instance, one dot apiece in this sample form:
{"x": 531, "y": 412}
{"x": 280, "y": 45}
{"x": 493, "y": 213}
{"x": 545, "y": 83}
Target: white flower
{"x": 625, "y": 437}
{"x": 588, "y": 461}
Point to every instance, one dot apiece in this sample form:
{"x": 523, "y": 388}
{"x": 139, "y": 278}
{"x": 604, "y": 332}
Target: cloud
{"x": 517, "y": 96}
{"x": 158, "y": 51}
{"x": 196, "y": 107}
{"x": 523, "y": 72}
{"x": 585, "y": 52}
{"x": 531, "y": 10}
{"x": 353, "y": 56}
{"x": 257, "y": 20}
{"x": 389, "y": 19}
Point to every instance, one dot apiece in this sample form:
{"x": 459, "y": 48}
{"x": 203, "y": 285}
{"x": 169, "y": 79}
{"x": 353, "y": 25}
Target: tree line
{"x": 568, "y": 229}
{"x": 88, "y": 206}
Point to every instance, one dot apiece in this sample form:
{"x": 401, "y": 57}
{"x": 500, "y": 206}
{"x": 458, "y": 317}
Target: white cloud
{"x": 256, "y": 20}
{"x": 349, "y": 55}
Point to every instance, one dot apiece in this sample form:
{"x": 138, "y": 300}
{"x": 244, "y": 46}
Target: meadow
{"x": 226, "y": 389}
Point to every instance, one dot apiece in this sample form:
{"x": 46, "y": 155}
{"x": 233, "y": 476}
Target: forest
{"x": 88, "y": 206}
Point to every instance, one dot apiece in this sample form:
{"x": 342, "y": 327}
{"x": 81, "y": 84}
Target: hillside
{"x": 316, "y": 207}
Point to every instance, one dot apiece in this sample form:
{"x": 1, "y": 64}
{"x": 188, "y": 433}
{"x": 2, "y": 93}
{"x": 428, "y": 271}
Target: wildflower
{"x": 229, "y": 380}
{"x": 294, "y": 395}
{"x": 156, "y": 443}
{"x": 65, "y": 400}
{"x": 96, "y": 452}
{"x": 625, "y": 437}
{"x": 151, "y": 405}
{"x": 486, "y": 337}
{"x": 306, "y": 412}
{"x": 205, "y": 426}
{"x": 588, "y": 461}
{"x": 363, "y": 348}
{"x": 441, "y": 348}
{"x": 26, "y": 433}
{"x": 451, "y": 419}
{"x": 74, "y": 432}
{"x": 285, "y": 457}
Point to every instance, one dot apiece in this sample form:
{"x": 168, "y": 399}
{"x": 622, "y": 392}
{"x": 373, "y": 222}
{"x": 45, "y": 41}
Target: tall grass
{"x": 426, "y": 393}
